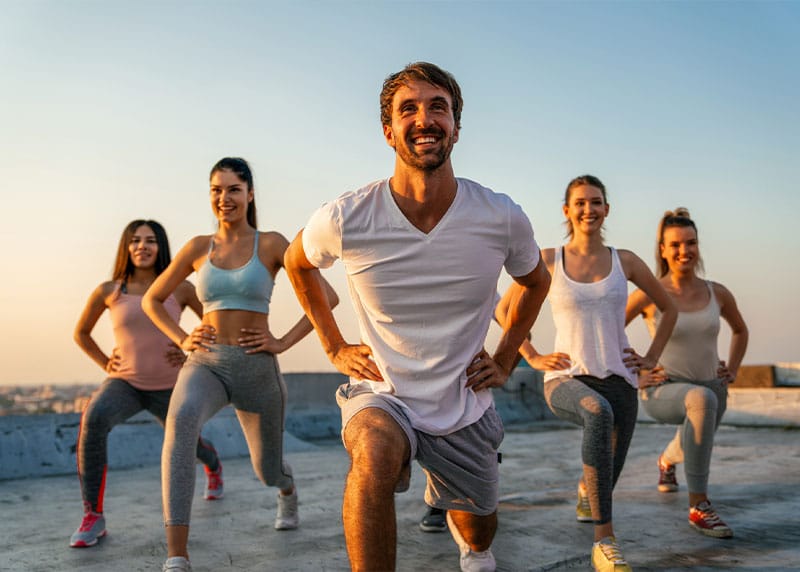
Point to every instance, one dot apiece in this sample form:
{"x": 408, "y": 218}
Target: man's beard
{"x": 430, "y": 161}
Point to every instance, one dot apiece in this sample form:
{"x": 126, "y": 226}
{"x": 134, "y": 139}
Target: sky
{"x": 111, "y": 111}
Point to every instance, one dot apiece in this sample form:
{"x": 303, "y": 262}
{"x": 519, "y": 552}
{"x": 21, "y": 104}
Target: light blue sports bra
{"x": 248, "y": 287}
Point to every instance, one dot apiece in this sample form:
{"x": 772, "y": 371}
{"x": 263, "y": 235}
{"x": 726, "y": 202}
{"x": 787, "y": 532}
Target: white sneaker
{"x": 470, "y": 560}
{"x": 176, "y": 564}
{"x": 287, "y": 518}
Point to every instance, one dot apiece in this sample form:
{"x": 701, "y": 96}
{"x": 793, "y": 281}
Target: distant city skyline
{"x": 115, "y": 111}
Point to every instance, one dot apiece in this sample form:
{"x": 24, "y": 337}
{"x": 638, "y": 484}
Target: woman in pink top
{"x": 142, "y": 368}
{"x": 690, "y": 388}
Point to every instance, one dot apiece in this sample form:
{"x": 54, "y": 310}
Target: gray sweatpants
{"x": 606, "y": 409}
{"x": 697, "y": 406}
{"x": 209, "y": 381}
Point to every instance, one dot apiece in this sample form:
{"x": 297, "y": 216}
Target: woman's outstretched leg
{"x": 114, "y": 402}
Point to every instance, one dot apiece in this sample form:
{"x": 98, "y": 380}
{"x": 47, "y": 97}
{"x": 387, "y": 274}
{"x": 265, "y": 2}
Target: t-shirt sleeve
{"x": 322, "y": 236}
{"x": 523, "y": 252}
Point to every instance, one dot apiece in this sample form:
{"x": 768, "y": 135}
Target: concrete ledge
{"x": 756, "y": 376}
{"x": 44, "y": 445}
{"x": 765, "y": 407}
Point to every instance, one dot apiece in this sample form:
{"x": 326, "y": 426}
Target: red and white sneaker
{"x": 92, "y": 528}
{"x": 667, "y": 483}
{"x": 214, "y": 486}
{"x": 704, "y": 519}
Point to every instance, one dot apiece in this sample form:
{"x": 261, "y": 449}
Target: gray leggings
{"x": 697, "y": 406}
{"x": 115, "y": 401}
{"x": 606, "y": 409}
{"x": 209, "y": 381}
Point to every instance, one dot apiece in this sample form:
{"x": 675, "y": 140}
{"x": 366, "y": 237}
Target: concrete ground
{"x": 755, "y": 485}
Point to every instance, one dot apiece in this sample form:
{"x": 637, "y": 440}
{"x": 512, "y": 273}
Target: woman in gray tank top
{"x": 690, "y": 386}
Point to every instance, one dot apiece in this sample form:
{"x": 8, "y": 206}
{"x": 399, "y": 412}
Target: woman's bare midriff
{"x": 229, "y": 323}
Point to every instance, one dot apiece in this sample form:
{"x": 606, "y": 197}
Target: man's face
{"x": 423, "y": 130}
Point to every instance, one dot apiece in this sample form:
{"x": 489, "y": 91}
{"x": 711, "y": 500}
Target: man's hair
{"x": 420, "y": 71}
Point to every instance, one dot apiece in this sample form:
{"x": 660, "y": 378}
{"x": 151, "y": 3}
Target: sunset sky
{"x": 117, "y": 110}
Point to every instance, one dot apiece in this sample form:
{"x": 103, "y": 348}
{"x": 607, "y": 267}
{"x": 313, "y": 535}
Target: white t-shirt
{"x": 424, "y": 301}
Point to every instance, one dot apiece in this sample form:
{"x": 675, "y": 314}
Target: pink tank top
{"x": 141, "y": 345}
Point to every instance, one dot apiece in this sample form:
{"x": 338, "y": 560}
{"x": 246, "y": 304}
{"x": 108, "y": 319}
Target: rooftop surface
{"x": 755, "y": 486}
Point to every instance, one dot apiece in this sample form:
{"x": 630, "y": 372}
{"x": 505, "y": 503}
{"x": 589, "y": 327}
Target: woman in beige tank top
{"x": 690, "y": 386}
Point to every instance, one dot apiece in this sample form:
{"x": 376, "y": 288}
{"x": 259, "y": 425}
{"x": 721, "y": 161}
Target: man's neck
{"x": 424, "y": 197}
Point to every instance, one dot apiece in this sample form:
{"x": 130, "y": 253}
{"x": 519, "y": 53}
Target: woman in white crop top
{"x": 141, "y": 370}
{"x": 590, "y": 378}
{"x": 690, "y": 388}
{"x": 232, "y": 358}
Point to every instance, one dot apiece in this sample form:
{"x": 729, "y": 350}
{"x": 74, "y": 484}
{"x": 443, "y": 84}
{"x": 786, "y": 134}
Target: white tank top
{"x": 691, "y": 352}
{"x": 590, "y": 321}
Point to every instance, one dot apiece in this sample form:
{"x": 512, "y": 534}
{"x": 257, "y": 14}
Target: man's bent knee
{"x": 376, "y": 443}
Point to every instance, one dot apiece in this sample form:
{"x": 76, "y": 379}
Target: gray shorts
{"x": 461, "y": 467}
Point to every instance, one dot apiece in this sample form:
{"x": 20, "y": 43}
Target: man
{"x": 422, "y": 251}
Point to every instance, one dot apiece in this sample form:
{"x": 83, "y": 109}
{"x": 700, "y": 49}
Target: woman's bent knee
{"x": 596, "y": 412}
{"x": 700, "y": 397}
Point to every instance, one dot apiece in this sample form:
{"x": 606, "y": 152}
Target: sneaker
{"x": 177, "y": 564}
{"x": 667, "y": 483}
{"x": 434, "y": 520}
{"x": 214, "y": 486}
{"x": 583, "y": 512}
{"x": 470, "y": 560}
{"x": 92, "y": 528}
{"x": 287, "y": 518}
{"x": 607, "y": 556}
{"x": 704, "y": 519}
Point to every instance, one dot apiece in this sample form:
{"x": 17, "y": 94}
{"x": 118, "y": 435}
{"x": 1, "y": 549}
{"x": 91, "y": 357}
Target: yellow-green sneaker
{"x": 607, "y": 556}
{"x": 583, "y": 511}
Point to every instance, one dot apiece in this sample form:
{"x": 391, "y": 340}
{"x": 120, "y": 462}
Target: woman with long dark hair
{"x": 232, "y": 357}
{"x": 142, "y": 368}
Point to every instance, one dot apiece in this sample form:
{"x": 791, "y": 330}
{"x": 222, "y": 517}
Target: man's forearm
{"x": 522, "y": 313}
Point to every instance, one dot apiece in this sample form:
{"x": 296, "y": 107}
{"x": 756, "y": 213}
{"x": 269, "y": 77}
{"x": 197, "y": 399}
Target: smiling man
{"x": 423, "y": 251}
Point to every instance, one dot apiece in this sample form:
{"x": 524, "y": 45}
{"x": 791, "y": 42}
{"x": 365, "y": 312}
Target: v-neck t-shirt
{"x": 424, "y": 300}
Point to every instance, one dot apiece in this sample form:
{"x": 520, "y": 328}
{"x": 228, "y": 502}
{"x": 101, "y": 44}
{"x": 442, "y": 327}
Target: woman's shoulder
{"x": 196, "y": 246}
{"x": 272, "y": 241}
{"x": 109, "y": 287}
{"x": 624, "y": 254}
{"x": 106, "y": 291}
{"x": 548, "y": 255}
{"x": 628, "y": 258}
{"x": 199, "y": 241}
{"x": 721, "y": 293}
{"x": 272, "y": 246}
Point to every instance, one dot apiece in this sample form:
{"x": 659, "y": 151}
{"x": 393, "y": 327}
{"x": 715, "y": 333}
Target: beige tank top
{"x": 691, "y": 352}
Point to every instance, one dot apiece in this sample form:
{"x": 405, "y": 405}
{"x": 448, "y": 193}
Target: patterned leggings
{"x": 606, "y": 409}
